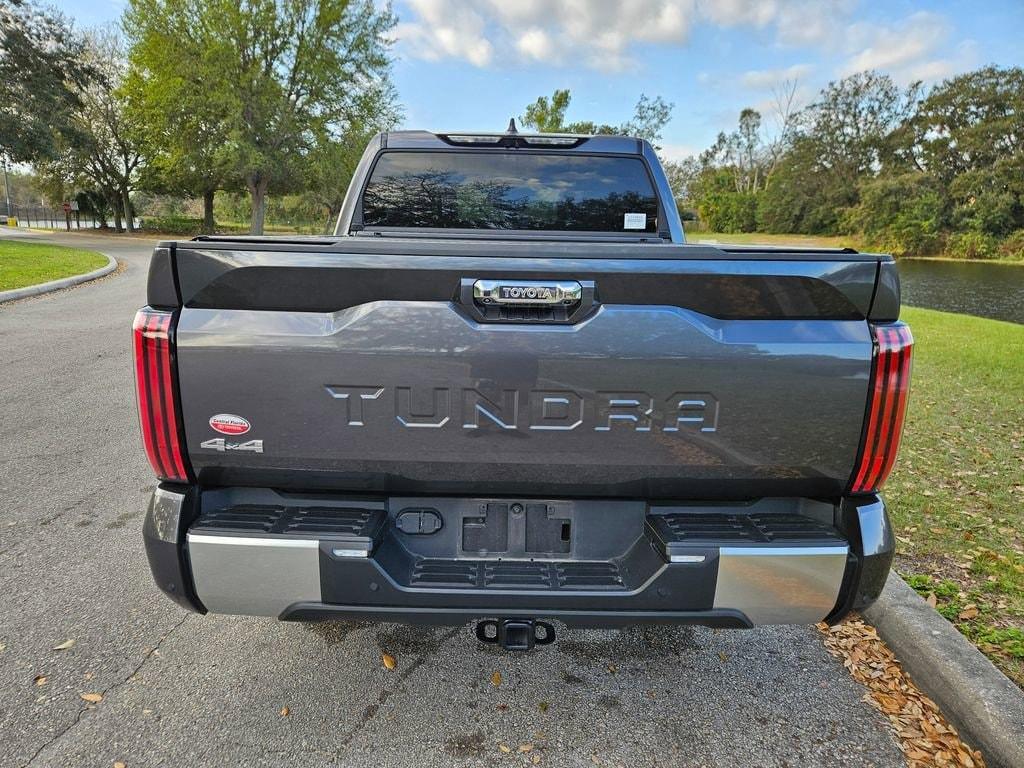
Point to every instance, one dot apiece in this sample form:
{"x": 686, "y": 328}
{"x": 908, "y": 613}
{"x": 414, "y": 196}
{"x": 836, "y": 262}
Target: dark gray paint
{"x": 790, "y": 394}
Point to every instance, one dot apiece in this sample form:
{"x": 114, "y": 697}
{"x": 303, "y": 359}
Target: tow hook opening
{"x": 515, "y": 634}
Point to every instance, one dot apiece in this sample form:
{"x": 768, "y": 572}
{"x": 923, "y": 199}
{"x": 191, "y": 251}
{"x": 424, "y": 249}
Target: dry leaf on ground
{"x": 388, "y": 659}
{"x": 496, "y": 679}
{"x": 64, "y": 646}
{"x": 505, "y": 748}
{"x": 41, "y": 680}
{"x": 526, "y": 747}
{"x": 92, "y": 698}
{"x": 285, "y": 711}
{"x": 922, "y": 731}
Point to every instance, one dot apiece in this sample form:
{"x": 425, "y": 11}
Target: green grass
{"x": 762, "y": 238}
{"x": 957, "y": 495}
{"x": 23, "y": 264}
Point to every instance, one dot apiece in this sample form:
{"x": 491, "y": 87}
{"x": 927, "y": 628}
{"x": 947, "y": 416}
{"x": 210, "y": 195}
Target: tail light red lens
{"x": 887, "y": 407}
{"x": 155, "y": 384}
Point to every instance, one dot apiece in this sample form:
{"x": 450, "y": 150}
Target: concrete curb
{"x": 984, "y": 704}
{"x": 56, "y": 285}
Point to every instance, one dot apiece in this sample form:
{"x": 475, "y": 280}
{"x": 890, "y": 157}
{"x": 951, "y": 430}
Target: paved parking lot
{"x": 180, "y": 689}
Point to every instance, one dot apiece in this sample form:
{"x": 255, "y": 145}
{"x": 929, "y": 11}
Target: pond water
{"x": 974, "y": 288}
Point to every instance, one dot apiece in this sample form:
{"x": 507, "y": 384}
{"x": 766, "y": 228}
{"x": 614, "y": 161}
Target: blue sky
{"x": 472, "y": 64}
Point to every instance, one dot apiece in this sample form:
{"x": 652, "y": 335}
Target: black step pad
{"x": 349, "y": 524}
{"x": 679, "y": 531}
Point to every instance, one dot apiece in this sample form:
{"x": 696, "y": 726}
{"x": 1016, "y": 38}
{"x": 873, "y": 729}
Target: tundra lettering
{"x": 548, "y": 409}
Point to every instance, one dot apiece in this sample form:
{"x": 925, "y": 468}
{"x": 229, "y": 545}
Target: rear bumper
{"x": 348, "y": 560}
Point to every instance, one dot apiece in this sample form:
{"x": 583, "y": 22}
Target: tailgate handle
{"x": 527, "y": 292}
{"x": 551, "y": 301}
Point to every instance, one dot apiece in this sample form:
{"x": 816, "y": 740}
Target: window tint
{"x": 511, "y": 190}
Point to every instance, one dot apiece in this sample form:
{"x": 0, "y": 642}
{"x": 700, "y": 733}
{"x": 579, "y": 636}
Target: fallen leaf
{"x": 119, "y": 764}
{"x": 92, "y": 698}
{"x": 501, "y": 707}
{"x": 388, "y": 659}
{"x": 612, "y": 668}
{"x": 969, "y": 612}
{"x": 41, "y": 679}
{"x": 285, "y": 711}
{"x": 505, "y": 748}
{"x": 723, "y": 656}
{"x": 543, "y": 706}
{"x": 496, "y": 679}
{"x": 64, "y": 646}
{"x": 925, "y": 737}
{"x": 535, "y": 759}
{"x": 526, "y": 747}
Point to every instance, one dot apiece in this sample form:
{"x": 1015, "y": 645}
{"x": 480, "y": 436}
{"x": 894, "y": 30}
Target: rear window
{"x": 513, "y": 190}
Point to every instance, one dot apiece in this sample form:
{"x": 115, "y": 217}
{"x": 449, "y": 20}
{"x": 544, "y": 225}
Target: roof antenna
{"x": 511, "y": 126}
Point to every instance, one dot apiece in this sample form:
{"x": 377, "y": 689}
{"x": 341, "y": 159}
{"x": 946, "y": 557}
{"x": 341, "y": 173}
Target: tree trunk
{"x": 129, "y": 223}
{"x": 115, "y": 203}
{"x": 332, "y": 219}
{"x": 258, "y": 192}
{"x": 208, "y": 223}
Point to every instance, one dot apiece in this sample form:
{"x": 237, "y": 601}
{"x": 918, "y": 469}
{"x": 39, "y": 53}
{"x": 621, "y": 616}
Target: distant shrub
{"x": 727, "y": 211}
{"x": 173, "y": 225}
{"x": 900, "y": 214}
{"x": 972, "y": 245}
{"x": 1013, "y": 246}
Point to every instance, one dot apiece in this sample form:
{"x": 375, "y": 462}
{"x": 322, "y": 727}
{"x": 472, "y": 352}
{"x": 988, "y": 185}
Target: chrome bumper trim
{"x": 780, "y": 585}
{"x": 251, "y": 575}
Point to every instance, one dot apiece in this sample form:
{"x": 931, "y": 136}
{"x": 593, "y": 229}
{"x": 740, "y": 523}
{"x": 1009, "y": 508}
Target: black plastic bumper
{"x": 367, "y": 587}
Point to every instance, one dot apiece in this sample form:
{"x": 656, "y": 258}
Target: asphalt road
{"x": 181, "y": 689}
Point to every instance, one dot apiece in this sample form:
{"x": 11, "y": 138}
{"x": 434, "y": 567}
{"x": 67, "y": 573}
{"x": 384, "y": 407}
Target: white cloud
{"x": 675, "y": 151}
{"x": 446, "y": 29}
{"x": 889, "y": 47}
{"x": 613, "y": 35}
{"x": 762, "y": 79}
{"x": 915, "y": 48}
{"x": 600, "y": 33}
{"x": 537, "y": 44}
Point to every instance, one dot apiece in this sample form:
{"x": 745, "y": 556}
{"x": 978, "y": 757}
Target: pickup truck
{"x": 507, "y": 390}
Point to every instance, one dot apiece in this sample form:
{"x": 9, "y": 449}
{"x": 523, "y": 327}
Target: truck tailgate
{"x": 695, "y": 372}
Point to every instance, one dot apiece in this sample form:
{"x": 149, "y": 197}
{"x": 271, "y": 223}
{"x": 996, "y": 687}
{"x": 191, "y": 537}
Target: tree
{"x": 41, "y": 68}
{"x": 181, "y": 126}
{"x": 650, "y": 116}
{"x": 846, "y": 137}
{"x": 104, "y": 157}
{"x": 281, "y": 74}
{"x": 333, "y": 160}
{"x": 969, "y": 136}
{"x": 548, "y": 116}
{"x": 854, "y": 123}
{"x": 109, "y": 154}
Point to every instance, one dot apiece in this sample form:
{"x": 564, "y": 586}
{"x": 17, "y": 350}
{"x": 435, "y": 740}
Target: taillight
{"x": 887, "y": 407}
{"x": 155, "y": 383}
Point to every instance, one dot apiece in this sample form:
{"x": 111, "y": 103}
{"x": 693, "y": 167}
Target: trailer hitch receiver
{"x": 515, "y": 634}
